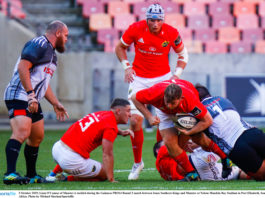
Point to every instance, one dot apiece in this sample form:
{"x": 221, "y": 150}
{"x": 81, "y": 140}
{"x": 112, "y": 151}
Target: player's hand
{"x": 33, "y": 104}
{"x": 183, "y": 131}
{"x": 153, "y": 120}
{"x": 129, "y": 75}
{"x": 126, "y": 132}
{"x": 174, "y": 77}
{"x": 60, "y": 112}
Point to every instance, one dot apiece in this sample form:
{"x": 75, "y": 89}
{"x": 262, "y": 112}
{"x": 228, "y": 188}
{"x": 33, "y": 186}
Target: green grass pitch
{"x": 123, "y": 159}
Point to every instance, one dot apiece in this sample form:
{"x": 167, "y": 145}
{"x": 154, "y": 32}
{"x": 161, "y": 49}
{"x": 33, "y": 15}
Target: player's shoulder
{"x": 169, "y": 28}
{"x": 139, "y": 25}
{"x": 38, "y": 44}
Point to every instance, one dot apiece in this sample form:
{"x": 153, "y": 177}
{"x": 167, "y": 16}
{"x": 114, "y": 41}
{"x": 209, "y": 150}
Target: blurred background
{"x": 224, "y": 38}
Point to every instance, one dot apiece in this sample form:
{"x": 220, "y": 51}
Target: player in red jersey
{"x": 178, "y": 96}
{"x": 152, "y": 39}
{"x": 72, "y": 151}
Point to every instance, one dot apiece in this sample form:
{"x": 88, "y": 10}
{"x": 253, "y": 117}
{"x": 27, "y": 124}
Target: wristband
{"x": 178, "y": 71}
{"x": 29, "y": 92}
{"x": 125, "y": 64}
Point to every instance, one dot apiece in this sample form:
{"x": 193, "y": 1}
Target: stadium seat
{"x": 219, "y": 21}
{"x": 107, "y": 34}
{"x": 198, "y": 22}
{"x": 247, "y": 21}
{"x": 133, "y": 1}
{"x": 181, "y": 1}
{"x": 263, "y": 22}
{"x": 16, "y": 10}
{"x": 99, "y": 21}
{"x": 244, "y": 8}
{"x": 175, "y": 20}
{"x": 170, "y": 7}
{"x": 110, "y": 45}
{"x": 229, "y": 35}
{"x": 122, "y": 21}
{"x": 185, "y": 34}
{"x": 252, "y": 35}
{"x": 81, "y": 2}
{"x": 254, "y": 1}
{"x": 140, "y": 8}
{"x": 260, "y": 47}
{"x": 229, "y": 1}
{"x": 194, "y": 46}
{"x": 262, "y": 8}
{"x": 240, "y": 47}
{"x": 194, "y": 8}
{"x": 92, "y": 7}
{"x": 215, "y": 47}
{"x": 118, "y": 7}
{"x": 219, "y": 8}
{"x": 205, "y": 34}
{"x": 206, "y": 1}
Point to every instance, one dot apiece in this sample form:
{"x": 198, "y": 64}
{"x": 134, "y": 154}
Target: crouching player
{"x": 72, "y": 151}
{"x": 205, "y": 163}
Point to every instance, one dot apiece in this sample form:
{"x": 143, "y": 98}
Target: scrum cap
{"x": 155, "y": 11}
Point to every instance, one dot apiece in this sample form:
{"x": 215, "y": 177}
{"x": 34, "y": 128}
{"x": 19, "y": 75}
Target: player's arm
{"x": 57, "y": 106}
{"x": 121, "y": 53}
{"x": 107, "y": 159}
{"x": 153, "y": 120}
{"x": 205, "y": 122}
{"x": 126, "y": 132}
{"x": 23, "y": 69}
{"x": 183, "y": 57}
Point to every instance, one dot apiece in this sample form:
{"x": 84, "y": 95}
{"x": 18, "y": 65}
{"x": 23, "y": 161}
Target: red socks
{"x": 137, "y": 145}
{"x": 213, "y": 147}
{"x": 57, "y": 169}
{"x": 184, "y": 162}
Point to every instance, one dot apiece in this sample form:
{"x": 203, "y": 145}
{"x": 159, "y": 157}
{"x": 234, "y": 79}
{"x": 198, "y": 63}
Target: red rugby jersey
{"x": 151, "y": 51}
{"x": 190, "y": 102}
{"x": 167, "y": 166}
{"x": 87, "y": 133}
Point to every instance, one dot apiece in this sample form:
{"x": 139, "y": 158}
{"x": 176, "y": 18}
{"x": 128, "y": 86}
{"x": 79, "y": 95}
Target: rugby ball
{"x": 185, "y": 121}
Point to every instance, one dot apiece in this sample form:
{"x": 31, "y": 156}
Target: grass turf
{"x": 123, "y": 159}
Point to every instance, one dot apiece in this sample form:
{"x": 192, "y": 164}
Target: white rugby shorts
{"x": 73, "y": 163}
{"x": 140, "y": 83}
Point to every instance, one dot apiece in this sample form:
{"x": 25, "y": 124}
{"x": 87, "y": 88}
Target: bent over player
{"x": 178, "y": 96}
{"x": 29, "y": 84}
{"x": 152, "y": 39}
{"x": 243, "y": 143}
{"x": 72, "y": 151}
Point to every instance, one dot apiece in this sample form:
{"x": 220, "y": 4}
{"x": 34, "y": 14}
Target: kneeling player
{"x": 72, "y": 151}
{"x": 205, "y": 163}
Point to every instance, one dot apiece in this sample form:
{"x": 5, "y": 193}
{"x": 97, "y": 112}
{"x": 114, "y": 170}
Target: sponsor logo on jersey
{"x": 178, "y": 41}
{"x": 165, "y": 43}
{"x": 48, "y": 70}
{"x": 152, "y": 49}
{"x": 196, "y": 111}
{"x": 141, "y": 40}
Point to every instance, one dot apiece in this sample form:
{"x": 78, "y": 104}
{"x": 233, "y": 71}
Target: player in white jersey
{"x": 29, "y": 84}
{"x": 243, "y": 143}
{"x": 205, "y": 163}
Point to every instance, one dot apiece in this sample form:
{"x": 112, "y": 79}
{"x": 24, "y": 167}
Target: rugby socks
{"x": 184, "y": 162}
{"x": 213, "y": 147}
{"x": 57, "y": 169}
{"x": 158, "y": 135}
{"x": 12, "y": 151}
{"x": 31, "y": 155}
{"x": 137, "y": 145}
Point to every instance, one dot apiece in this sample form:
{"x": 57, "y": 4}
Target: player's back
{"x": 87, "y": 133}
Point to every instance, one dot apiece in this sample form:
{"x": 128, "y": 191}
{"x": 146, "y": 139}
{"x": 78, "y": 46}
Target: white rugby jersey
{"x": 208, "y": 168}
{"x": 227, "y": 124}
{"x": 40, "y": 52}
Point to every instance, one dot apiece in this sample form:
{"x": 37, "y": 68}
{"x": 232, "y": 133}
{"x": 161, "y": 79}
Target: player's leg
{"x": 20, "y": 125}
{"x": 32, "y": 149}
{"x": 209, "y": 145}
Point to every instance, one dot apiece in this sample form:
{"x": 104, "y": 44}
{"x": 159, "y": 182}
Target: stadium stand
{"x": 215, "y": 47}
{"x": 260, "y": 47}
{"x": 237, "y": 24}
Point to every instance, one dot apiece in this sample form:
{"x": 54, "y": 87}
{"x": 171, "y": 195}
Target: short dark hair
{"x": 172, "y": 92}
{"x": 119, "y": 102}
{"x": 203, "y": 91}
{"x": 156, "y": 148}
{"x": 54, "y": 26}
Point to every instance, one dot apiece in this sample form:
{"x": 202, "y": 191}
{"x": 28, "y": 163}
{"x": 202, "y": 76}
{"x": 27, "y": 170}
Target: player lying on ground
{"x": 205, "y": 163}
{"x": 72, "y": 151}
{"x": 178, "y": 96}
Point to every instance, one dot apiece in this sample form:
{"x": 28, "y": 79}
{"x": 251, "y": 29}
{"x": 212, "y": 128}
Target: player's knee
{"x": 136, "y": 122}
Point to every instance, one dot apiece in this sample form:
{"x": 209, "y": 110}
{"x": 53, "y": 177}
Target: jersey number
{"x": 86, "y": 124}
{"x": 218, "y": 110}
